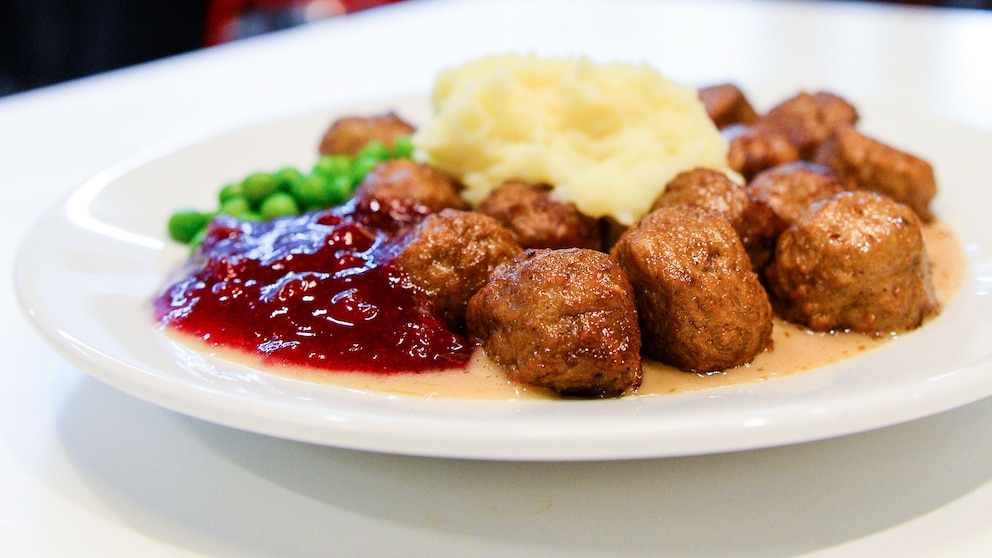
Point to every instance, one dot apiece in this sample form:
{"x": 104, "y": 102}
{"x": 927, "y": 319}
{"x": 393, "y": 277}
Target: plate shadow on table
{"x": 217, "y": 490}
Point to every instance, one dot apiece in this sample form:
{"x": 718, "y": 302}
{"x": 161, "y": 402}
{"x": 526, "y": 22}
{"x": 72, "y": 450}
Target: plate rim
{"x": 136, "y": 382}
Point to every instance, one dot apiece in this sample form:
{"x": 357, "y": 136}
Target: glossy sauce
{"x": 377, "y": 324}
{"x": 319, "y": 290}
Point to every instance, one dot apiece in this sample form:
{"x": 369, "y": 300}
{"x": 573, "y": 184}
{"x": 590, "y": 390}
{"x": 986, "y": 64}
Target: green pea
{"x": 258, "y": 186}
{"x": 197, "y": 239}
{"x": 230, "y": 191}
{"x": 361, "y": 166}
{"x": 403, "y": 148}
{"x": 185, "y": 225}
{"x": 279, "y": 204}
{"x": 340, "y": 189}
{"x": 288, "y": 191}
{"x": 286, "y": 177}
{"x": 374, "y": 149}
{"x": 235, "y": 207}
{"x": 251, "y": 216}
{"x": 311, "y": 192}
{"x": 332, "y": 165}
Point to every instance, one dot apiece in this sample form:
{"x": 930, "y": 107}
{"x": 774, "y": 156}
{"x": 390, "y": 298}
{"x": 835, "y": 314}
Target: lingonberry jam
{"x": 319, "y": 290}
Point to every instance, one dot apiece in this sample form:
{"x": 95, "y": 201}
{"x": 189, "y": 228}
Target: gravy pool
{"x": 796, "y": 350}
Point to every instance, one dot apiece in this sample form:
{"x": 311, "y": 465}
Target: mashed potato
{"x": 606, "y": 136}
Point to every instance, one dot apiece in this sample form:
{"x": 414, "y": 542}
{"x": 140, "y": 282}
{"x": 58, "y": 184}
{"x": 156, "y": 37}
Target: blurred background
{"x": 43, "y": 42}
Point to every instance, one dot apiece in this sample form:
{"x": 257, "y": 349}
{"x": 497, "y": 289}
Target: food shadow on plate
{"x": 218, "y": 490}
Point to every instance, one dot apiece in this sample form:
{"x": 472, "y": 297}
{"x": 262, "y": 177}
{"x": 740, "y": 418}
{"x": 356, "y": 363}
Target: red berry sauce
{"x": 319, "y": 290}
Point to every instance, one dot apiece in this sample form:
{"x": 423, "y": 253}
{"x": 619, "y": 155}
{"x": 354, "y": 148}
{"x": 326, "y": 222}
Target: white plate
{"x": 87, "y": 271}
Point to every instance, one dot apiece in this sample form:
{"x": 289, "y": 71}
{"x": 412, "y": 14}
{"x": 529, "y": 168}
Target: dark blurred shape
{"x": 967, "y": 4}
{"x": 230, "y": 20}
{"x": 971, "y": 4}
{"x": 48, "y": 41}
{"x": 43, "y": 42}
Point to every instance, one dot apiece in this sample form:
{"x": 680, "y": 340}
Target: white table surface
{"x": 87, "y": 470}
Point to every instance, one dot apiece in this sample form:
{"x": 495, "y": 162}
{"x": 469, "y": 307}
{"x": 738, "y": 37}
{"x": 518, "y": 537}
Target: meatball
{"x": 791, "y": 188}
{"x": 809, "y": 119}
{"x": 537, "y": 220}
{"x": 752, "y": 149}
{"x": 701, "y": 306}
{"x": 564, "y": 320}
{"x": 876, "y": 166}
{"x": 755, "y": 223}
{"x": 450, "y": 256}
{"x": 856, "y": 262}
{"x": 349, "y": 134}
{"x": 726, "y": 104}
{"x": 401, "y": 184}
{"x": 704, "y": 188}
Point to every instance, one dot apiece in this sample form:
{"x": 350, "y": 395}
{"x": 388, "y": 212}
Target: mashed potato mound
{"x": 607, "y": 137}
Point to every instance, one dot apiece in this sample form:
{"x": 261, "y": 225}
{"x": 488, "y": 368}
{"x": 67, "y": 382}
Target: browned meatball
{"x": 791, "y": 188}
{"x": 537, "y": 220}
{"x": 726, "y": 104}
{"x": 450, "y": 256}
{"x": 402, "y": 183}
{"x": 701, "y": 306}
{"x": 704, "y": 188}
{"x": 564, "y": 320}
{"x": 876, "y": 166}
{"x": 808, "y": 119}
{"x": 752, "y": 149}
{"x": 755, "y": 223}
{"x": 854, "y": 262}
{"x": 349, "y": 134}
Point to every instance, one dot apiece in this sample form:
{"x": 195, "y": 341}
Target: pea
{"x": 288, "y": 191}
{"x": 374, "y": 149}
{"x": 185, "y": 225}
{"x": 230, "y": 191}
{"x": 403, "y": 148}
{"x": 340, "y": 189}
{"x": 251, "y": 216}
{"x": 278, "y": 204}
{"x": 258, "y": 186}
{"x": 286, "y": 177}
{"x": 235, "y": 207}
{"x": 197, "y": 239}
{"x": 361, "y": 166}
{"x": 332, "y": 165}
{"x": 311, "y": 192}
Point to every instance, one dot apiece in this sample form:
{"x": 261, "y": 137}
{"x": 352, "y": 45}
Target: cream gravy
{"x": 796, "y": 349}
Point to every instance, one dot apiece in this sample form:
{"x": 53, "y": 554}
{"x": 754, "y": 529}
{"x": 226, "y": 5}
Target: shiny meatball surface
{"x": 856, "y": 262}
{"x": 726, "y": 105}
{"x": 755, "y": 223}
{"x": 348, "y": 135}
{"x": 791, "y": 188}
{"x": 564, "y": 320}
{"x": 752, "y": 149}
{"x": 450, "y": 256}
{"x": 879, "y": 167}
{"x": 538, "y": 220}
{"x": 701, "y": 306}
{"x": 403, "y": 184}
{"x": 706, "y": 189}
{"x": 809, "y": 119}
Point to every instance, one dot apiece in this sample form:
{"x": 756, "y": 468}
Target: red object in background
{"x": 223, "y": 16}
